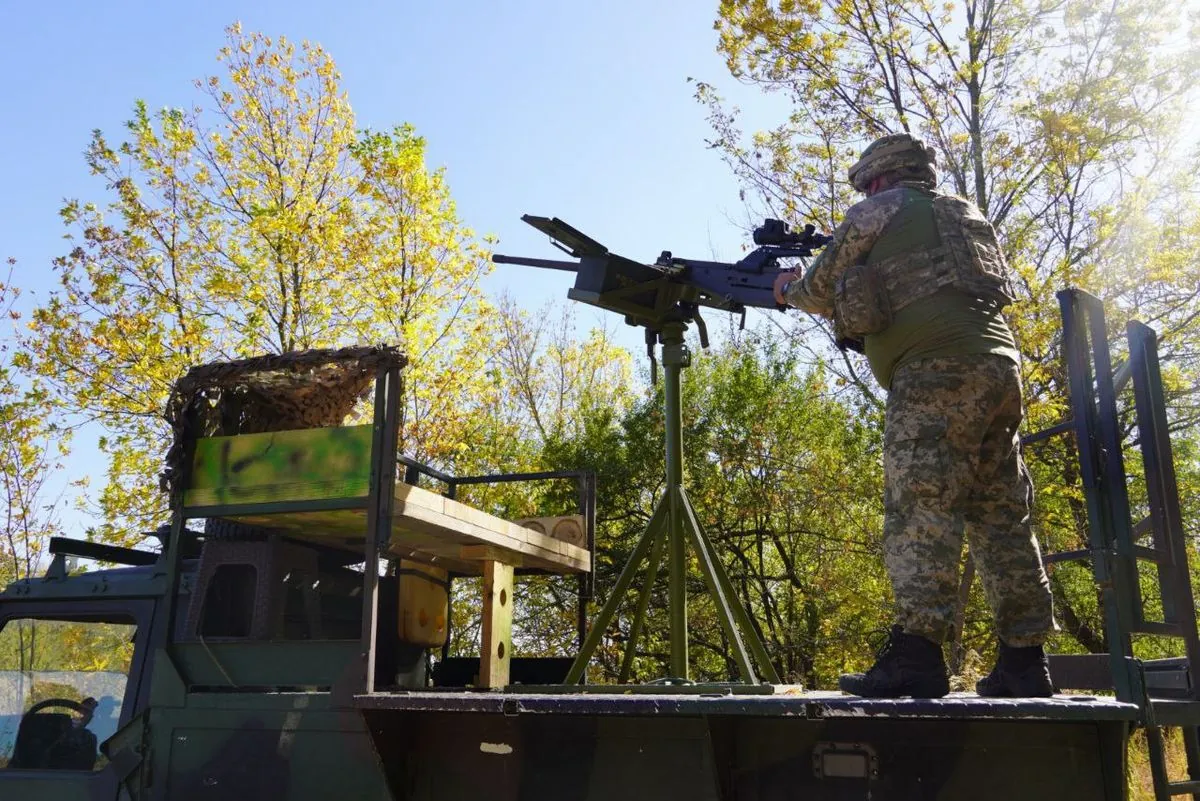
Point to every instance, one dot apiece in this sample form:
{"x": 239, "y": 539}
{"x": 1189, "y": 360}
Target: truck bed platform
{"x": 785, "y": 701}
{"x": 788, "y": 745}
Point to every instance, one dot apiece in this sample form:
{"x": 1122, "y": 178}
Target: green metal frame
{"x": 674, "y": 527}
{"x": 378, "y": 505}
{"x": 1167, "y": 692}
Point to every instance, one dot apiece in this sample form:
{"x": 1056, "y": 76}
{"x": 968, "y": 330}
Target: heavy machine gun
{"x": 672, "y": 289}
{"x": 664, "y": 298}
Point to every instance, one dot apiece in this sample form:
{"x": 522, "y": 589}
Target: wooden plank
{"x": 480, "y": 553}
{"x": 496, "y": 637}
{"x": 418, "y": 496}
{"x": 565, "y": 528}
{"x": 417, "y": 508}
{"x": 488, "y": 553}
{"x": 305, "y": 464}
{"x": 450, "y": 564}
{"x": 419, "y": 531}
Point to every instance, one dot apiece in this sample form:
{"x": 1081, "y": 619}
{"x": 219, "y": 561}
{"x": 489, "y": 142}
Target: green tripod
{"x": 672, "y": 527}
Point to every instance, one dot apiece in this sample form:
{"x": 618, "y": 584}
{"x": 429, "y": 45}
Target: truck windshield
{"x": 62, "y": 683}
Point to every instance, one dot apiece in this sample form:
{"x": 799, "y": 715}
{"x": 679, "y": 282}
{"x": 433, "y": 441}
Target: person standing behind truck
{"x": 916, "y": 280}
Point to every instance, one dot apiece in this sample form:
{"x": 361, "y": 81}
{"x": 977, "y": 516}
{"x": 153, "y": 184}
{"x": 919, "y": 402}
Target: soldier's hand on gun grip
{"x": 781, "y": 282}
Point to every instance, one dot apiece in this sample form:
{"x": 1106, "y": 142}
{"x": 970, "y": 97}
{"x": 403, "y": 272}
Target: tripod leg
{"x": 677, "y": 585}
{"x": 724, "y": 613}
{"x": 639, "y": 615}
{"x": 614, "y": 599}
{"x": 735, "y": 606}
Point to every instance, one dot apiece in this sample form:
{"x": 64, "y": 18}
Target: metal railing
{"x": 1166, "y": 690}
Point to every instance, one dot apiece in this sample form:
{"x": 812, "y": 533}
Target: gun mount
{"x": 672, "y": 289}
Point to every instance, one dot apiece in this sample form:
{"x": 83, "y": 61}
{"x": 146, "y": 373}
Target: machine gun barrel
{"x": 549, "y": 264}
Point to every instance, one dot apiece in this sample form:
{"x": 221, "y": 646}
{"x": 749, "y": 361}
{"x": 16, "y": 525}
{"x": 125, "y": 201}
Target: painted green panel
{"x": 305, "y": 464}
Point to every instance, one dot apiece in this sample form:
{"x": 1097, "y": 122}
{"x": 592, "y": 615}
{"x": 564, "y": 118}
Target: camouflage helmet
{"x": 903, "y": 154}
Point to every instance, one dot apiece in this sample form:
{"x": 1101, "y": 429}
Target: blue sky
{"x": 576, "y": 110}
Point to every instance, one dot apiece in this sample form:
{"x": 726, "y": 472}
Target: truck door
{"x": 70, "y": 678}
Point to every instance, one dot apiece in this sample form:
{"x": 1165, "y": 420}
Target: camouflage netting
{"x": 278, "y": 392}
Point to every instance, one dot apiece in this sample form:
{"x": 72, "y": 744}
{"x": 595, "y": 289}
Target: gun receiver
{"x": 672, "y": 288}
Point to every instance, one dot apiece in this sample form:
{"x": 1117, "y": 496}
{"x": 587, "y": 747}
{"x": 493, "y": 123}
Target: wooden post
{"x": 495, "y": 650}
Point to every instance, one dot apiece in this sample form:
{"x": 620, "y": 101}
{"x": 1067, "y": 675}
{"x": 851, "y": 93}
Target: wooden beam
{"x": 496, "y": 639}
{"x": 481, "y": 553}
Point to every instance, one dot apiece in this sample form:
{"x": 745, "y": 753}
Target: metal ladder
{"x": 1166, "y": 690}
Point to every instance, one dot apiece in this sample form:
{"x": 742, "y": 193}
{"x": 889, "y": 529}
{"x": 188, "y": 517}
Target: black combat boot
{"x": 1019, "y": 673}
{"x": 907, "y": 664}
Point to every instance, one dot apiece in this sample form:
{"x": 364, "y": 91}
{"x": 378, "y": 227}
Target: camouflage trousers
{"x": 951, "y": 457}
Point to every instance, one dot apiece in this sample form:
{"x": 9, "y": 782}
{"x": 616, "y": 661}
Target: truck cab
{"x": 74, "y": 670}
{"x": 104, "y": 705}
{"x": 303, "y": 568}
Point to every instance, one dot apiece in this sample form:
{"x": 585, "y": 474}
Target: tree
{"x": 552, "y": 391}
{"x": 1041, "y": 112}
{"x": 258, "y": 220}
{"x": 787, "y": 479}
{"x": 783, "y": 478}
{"x": 1058, "y": 119}
{"x": 416, "y": 283}
{"x": 29, "y": 453}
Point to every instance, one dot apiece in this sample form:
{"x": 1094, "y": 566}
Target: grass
{"x": 1139, "y": 779}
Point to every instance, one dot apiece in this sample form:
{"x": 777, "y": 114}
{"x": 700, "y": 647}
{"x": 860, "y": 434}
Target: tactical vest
{"x": 967, "y": 258}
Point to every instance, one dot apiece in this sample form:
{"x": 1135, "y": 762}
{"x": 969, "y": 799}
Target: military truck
{"x": 292, "y": 645}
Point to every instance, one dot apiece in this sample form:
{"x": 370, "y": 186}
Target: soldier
{"x": 916, "y": 280}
